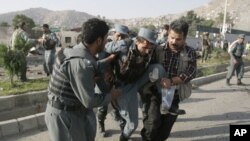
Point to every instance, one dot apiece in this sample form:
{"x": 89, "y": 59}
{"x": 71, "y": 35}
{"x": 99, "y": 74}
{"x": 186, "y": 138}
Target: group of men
{"x": 95, "y": 73}
{"x": 48, "y": 41}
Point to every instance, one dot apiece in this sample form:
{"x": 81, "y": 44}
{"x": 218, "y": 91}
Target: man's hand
{"x": 165, "y": 83}
{"x": 40, "y": 40}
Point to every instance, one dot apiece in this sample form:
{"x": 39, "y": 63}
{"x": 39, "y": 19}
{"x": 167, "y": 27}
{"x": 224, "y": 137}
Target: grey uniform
{"x": 49, "y": 44}
{"x": 129, "y": 79}
{"x": 69, "y": 115}
{"x": 236, "y": 54}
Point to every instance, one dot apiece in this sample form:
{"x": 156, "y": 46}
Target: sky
{"x": 111, "y": 9}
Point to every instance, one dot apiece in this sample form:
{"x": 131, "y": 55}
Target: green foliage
{"x": 193, "y": 20}
{"x": 13, "y": 63}
{"x": 21, "y": 44}
{"x": 23, "y": 87}
{"x": 220, "y": 18}
{"x": 4, "y": 24}
{"x": 22, "y": 18}
{"x": 3, "y": 50}
{"x": 208, "y": 71}
{"x": 150, "y": 26}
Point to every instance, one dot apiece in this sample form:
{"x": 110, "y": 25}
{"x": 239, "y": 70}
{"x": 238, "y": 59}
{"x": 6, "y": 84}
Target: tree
{"x": 14, "y": 61}
{"x": 4, "y": 24}
{"x": 150, "y": 26}
{"x": 219, "y": 19}
{"x": 22, "y": 18}
{"x": 193, "y": 20}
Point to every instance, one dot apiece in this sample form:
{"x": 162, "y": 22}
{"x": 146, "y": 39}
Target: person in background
{"x": 206, "y": 47}
{"x": 49, "y": 42}
{"x": 162, "y": 38}
{"x": 237, "y": 49}
{"x": 19, "y": 42}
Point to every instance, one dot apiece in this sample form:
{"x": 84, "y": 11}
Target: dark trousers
{"x": 103, "y": 111}
{"x": 156, "y": 127}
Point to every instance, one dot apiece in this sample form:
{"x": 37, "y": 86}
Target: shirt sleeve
{"x": 26, "y": 38}
{"x": 81, "y": 75}
{"x": 115, "y": 46}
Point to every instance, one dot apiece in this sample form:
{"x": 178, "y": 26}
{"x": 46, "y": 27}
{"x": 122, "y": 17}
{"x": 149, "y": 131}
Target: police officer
{"x": 48, "y": 41}
{"x": 120, "y": 33}
{"x": 206, "y": 47}
{"x": 132, "y": 68}
{"x": 237, "y": 49}
{"x": 69, "y": 114}
{"x": 163, "y": 35}
{"x": 21, "y": 34}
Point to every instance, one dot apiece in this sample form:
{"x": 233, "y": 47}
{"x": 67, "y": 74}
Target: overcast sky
{"x": 108, "y": 8}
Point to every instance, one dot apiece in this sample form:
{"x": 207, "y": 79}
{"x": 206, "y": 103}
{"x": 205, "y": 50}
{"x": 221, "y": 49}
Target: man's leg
{"x": 169, "y": 119}
{"x": 101, "y": 116}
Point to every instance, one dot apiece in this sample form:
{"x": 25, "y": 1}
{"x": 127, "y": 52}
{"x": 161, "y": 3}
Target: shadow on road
{"x": 210, "y": 130}
{"x": 223, "y": 117}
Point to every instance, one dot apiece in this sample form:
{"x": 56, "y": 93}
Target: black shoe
{"x": 228, "y": 82}
{"x": 177, "y": 111}
{"x": 123, "y": 138}
{"x": 181, "y": 112}
{"x": 102, "y": 131}
{"x": 239, "y": 82}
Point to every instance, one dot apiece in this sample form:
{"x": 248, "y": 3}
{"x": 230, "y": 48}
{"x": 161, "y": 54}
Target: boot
{"x": 123, "y": 138}
{"x": 102, "y": 129}
{"x": 228, "y": 82}
{"x": 239, "y": 82}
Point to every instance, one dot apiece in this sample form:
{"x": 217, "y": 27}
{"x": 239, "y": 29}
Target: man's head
{"x": 177, "y": 34}
{"x": 95, "y": 32}
{"x": 22, "y": 25}
{"x": 165, "y": 30}
{"x": 145, "y": 40}
{"x": 121, "y": 32}
{"x": 241, "y": 38}
{"x": 45, "y": 28}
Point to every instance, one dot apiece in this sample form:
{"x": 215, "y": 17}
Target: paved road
{"x": 210, "y": 111}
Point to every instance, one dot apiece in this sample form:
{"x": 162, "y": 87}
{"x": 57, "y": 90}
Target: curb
{"x": 36, "y": 121}
{"x": 20, "y": 125}
{"x": 214, "y": 77}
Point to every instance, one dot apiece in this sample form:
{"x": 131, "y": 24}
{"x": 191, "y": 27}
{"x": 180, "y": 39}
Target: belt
{"x": 61, "y": 106}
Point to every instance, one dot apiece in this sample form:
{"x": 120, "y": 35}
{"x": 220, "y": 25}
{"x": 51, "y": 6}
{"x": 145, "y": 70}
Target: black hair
{"x": 21, "y": 24}
{"x": 93, "y": 29}
{"x": 180, "y": 26}
{"x": 46, "y": 25}
{"x": 166, "y": 27}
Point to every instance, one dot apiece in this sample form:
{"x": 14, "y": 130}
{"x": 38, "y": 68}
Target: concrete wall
{"x": 15, "y": 106}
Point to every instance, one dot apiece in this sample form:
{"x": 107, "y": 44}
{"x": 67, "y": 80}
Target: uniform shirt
{"x": 237, "y": 50}
{"x": 49, "y": 40}
{"x": 171, "y": 64}
{"x": 23, "y": 35}
{"x": 80, "y": 71}
{"x": 128, "y": 56}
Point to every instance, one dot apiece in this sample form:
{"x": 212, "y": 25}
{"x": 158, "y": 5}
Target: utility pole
{"x": 224, "y": 26}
